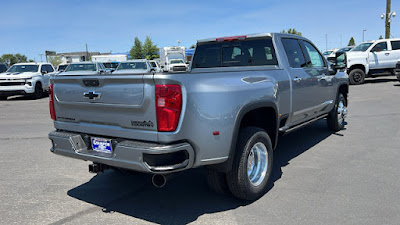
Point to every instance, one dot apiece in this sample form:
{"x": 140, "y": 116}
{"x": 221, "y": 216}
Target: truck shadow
{"x": 294, "y": 144}
{"x": 185, "y": 197}
{"x": 380, "y": 80}
{"x": 24, "y": 97}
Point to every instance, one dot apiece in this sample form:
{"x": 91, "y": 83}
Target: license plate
{"x": 101, "y": 145}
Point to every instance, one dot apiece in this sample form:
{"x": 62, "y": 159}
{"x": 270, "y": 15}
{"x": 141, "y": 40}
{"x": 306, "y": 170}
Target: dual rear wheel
{"x": 253, "y": 159}
{"x": 252, "y": 167}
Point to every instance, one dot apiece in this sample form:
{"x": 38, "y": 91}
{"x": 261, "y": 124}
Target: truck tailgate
{"x": 112, "y": 105}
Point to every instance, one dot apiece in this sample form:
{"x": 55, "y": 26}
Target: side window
{"x": 49, "y": 68}
{"x": 250, "y": 53}
{"x": 395, "y": 45}
{"x": 43, "y": 68}
{"x": 293, "y": 52}
{"x": 313, "y": 55}
{"x": 380, "y": 47}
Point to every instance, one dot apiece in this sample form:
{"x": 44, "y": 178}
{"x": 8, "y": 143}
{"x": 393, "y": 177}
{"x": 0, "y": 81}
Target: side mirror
{"x": 44, "y": 72}
{"x": 102, "y": 71}
{"x": 340, "y": 60}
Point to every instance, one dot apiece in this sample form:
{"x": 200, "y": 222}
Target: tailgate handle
{"x": 91, "y": 82}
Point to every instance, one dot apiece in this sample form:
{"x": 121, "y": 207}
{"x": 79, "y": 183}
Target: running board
{"x": 287, "y": 129}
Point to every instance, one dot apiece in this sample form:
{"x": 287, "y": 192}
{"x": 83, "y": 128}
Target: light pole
{"x": 326, "y": 42}
{"x": 179, "y": 42}
{"x": 363, "y": 34}
{"x": 41, "y": 57}
{"x": 388, "y": 18}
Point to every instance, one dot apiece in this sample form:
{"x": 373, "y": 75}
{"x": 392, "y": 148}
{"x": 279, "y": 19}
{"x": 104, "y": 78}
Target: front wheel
{"x": 336, "y": 118}
{"x": 357, "y": 76}
{"x": 252, "y": 164}
{"x": 38, "y": 91}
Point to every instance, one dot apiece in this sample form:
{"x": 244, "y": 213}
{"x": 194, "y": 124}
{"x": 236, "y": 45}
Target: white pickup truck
{"x": 372, "y": 57}
{"x": 26, "y": 79}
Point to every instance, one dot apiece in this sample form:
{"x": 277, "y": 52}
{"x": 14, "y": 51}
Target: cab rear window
{"x": 254, "y": 52}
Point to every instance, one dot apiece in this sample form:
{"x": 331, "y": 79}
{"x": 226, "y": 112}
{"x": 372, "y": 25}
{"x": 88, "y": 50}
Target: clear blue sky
{"x": 31, "y": 27}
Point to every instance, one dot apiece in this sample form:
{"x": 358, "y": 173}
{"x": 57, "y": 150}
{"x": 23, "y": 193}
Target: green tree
{"x": 380, "y": 37}
{"x": 292, "y": 31}
{"x": 137, "y": 49}
{"x": 21, "y": 58}
{"x": 54, "y": 60}
{"x": 11, "y": 59}
{"x": 150, "y": 50}
{"x": 352, "y": 42}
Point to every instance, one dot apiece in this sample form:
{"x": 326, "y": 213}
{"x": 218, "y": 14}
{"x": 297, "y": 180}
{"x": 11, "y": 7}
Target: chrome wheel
{"x": 341, "y": 112}
{"x": 257, "y": 163}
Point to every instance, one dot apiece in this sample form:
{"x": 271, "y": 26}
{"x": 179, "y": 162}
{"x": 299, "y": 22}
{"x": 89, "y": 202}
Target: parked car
{"x": 371, "y": 58}
{"x": 26, "y": 79}
{"x": 85, "y": 68}
{"x": 346, "y": 49}
{"x": 332, "y": 57}
{"x": 3, "y": 67}
{"x": 111, "y": 66}
{"x": 155, "y": 66}
{"x": 170, "y": 53}
{"x": 330, "y": 53}
{"x": 177, "y": 65}
{"x": 225, "y": 113}
{"x": 62, "y": 67}
{"x": 136, "y": 66}
{"x": 326, "y": 53}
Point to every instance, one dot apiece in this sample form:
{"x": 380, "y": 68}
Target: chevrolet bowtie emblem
{"x": 91, "y": 95}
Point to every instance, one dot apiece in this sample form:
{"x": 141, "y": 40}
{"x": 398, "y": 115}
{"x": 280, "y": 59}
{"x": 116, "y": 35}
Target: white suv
{"x": 372, "y": 57}
{"x": 26, "y": 78}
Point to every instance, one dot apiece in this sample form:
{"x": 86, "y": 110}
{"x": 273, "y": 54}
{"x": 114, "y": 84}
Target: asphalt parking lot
{"x": 351, "y": 177}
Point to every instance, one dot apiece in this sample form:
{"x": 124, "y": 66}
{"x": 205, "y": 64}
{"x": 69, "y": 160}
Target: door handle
{"x": 387, "y": 53}
{"x": 297, "y": 79}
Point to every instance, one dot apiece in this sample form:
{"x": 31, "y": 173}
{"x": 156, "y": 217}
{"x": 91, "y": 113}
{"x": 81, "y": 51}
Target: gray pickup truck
{"x": 226, "y": 113}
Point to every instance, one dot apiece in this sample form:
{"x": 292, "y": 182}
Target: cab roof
{"x": 136, "y": 60}
{"x": 246, "y": 36}
{"x": 32, "y": 63}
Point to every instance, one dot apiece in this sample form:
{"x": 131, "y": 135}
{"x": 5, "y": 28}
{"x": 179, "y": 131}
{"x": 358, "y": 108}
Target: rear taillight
{"x": 51, "y": 103}
{"x": 169, "y": 106}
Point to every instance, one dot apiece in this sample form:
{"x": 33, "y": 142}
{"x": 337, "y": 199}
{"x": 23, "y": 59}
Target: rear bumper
{"x": 134, "y": 155}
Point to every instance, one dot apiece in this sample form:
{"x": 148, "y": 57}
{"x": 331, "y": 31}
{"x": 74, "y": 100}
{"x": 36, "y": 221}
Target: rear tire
{"x": 38, "y": 94}
{"x": 336, "y": 118}
{"x": 357, "y": 76}
{"x": 3, "y": 97}
{"x": 252, "y": 164}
